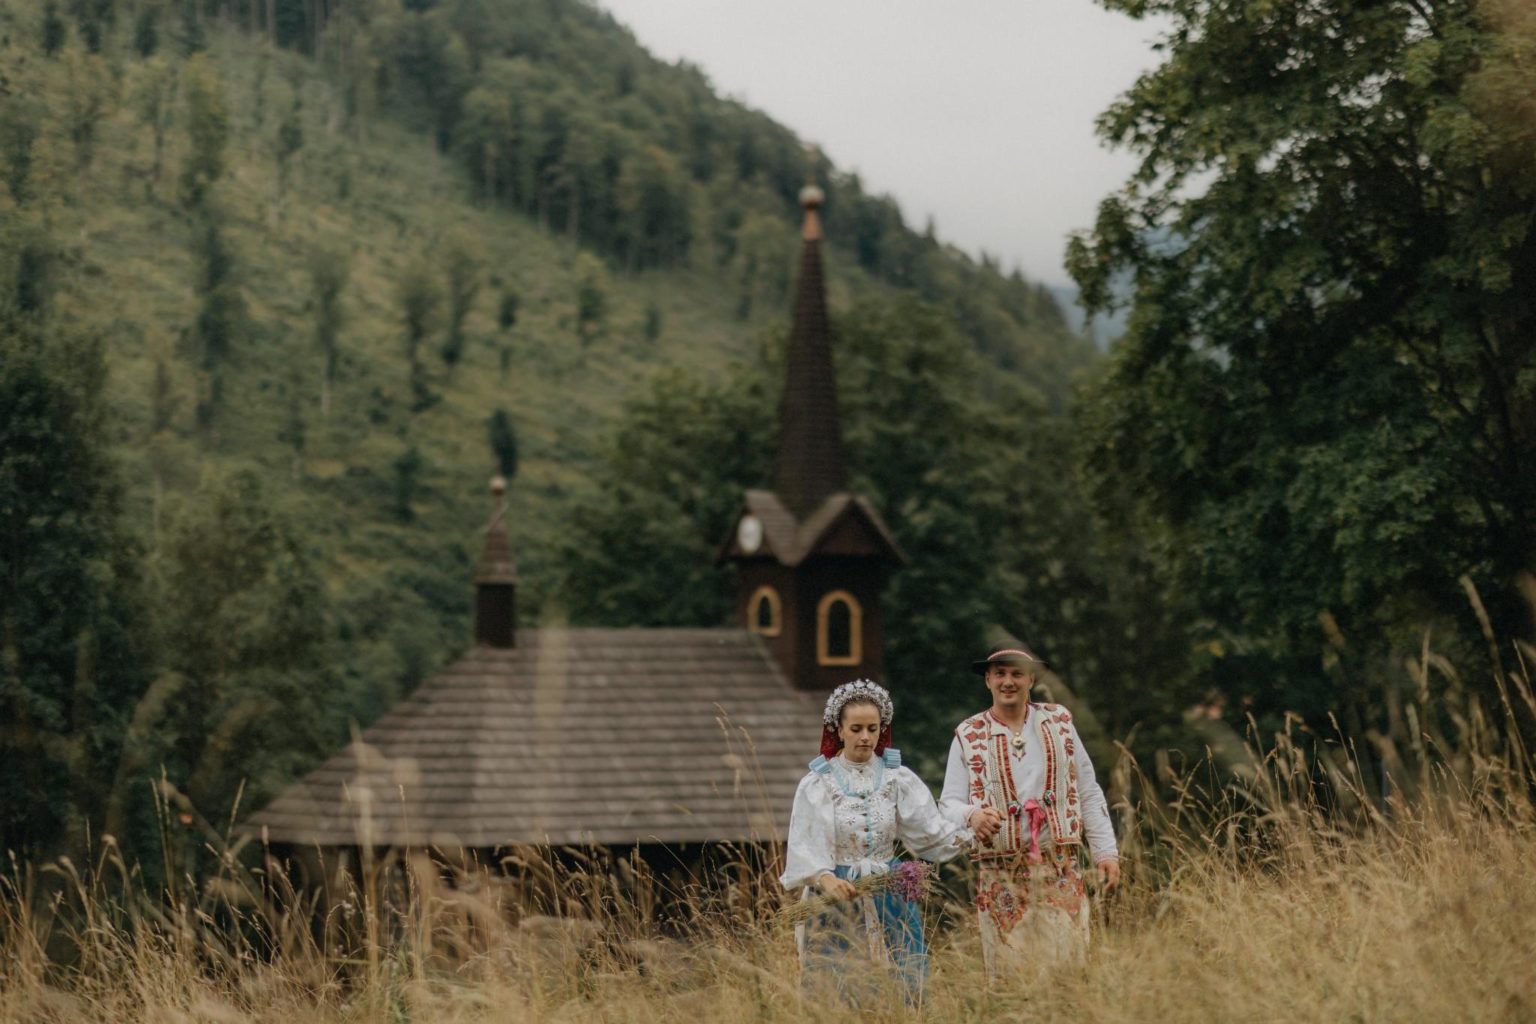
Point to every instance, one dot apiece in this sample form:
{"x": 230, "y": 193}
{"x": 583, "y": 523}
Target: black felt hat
{"x": 1011, "y": 653}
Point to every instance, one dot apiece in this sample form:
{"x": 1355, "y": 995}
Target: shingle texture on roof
{"x": 576, "y": 736}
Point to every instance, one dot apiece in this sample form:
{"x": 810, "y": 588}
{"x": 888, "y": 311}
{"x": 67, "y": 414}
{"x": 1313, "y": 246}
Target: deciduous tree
{"x": 1324, "y": 402}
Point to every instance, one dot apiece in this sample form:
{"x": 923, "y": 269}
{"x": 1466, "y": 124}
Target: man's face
{"x": 1009, "y": 685}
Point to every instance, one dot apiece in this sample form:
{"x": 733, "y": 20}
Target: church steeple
{"x": 812, "y": 558}
{"x": 496, "y": 579}
{"x": 809, "y": 466}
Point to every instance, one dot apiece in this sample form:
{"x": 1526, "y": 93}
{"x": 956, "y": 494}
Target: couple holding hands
{"x": 1020, "y": 798}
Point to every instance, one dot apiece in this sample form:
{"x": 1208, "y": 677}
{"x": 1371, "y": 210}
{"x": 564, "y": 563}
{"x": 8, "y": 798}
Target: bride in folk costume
{"x": 1020, "y": 776}
{"x": 851, "y": 808}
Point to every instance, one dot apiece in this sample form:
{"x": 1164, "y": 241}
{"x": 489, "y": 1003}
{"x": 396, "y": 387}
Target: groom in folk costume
{"x": 1019, "y": 776}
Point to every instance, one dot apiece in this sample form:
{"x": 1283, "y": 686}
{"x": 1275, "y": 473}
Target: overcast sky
{"x": 978, "y": 112}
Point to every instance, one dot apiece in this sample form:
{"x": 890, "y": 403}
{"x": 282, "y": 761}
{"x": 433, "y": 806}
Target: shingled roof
{"x": 574, "y": 737}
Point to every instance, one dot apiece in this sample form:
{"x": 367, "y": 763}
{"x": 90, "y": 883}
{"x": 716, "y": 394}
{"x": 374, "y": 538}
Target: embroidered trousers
{"x": 1033, "y": 916}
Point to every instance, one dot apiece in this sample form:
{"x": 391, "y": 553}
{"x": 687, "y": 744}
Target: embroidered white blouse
{"x": 852, "y": 814}
{"x": 1029, "y": 773}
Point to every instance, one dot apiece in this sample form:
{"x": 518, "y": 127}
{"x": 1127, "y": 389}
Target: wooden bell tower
{"x": 812, "y": 558}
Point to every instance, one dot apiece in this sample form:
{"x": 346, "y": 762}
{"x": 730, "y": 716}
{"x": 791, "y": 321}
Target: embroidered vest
{"x": 992, "y": 781}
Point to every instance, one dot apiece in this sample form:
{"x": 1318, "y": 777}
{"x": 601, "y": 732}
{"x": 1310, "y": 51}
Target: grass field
{"x": 1283, "y": 894}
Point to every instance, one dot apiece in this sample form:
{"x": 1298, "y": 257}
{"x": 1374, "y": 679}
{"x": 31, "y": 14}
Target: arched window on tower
{"x": 839, "y": 629}
{"x": 764, "y": 614}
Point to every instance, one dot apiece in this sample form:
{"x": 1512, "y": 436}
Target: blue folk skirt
{"x": 859, "y": 949}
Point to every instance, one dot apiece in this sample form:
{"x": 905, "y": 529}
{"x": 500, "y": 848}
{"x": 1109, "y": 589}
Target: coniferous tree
{"x": 19, "y": 129}
{"x": 407, "y": 470}
{"x": 153, "y": 98}
{"x": 193, "y": 35}
{"x": 462, "y": 263}
{"x": 85, "y": 103}
{"x": 290, "y": 139}
{"x": 294, "y": 431}
{"x": 221, "y": 317}
{"x": 207, "y": 131}
{"x": 503, "y": 443}
{"x": 71, "y": 664}
{"x": 163, "y": 406}
{"x": 591, "y": 297}
{"x": 94, "y": 19}
{"x": 146, "y": 31}
{"x": 506, "y": 319}
{"x": 55, "y": 31}
{"x": 328, "y": 279}
{"x": 29, "y": 263}
{"x": 652, "y": 325}
{"x": 419, "y": 298}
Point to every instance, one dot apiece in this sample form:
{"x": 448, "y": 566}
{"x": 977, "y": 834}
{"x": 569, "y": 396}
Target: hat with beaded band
{"x": 1010, "y": 653}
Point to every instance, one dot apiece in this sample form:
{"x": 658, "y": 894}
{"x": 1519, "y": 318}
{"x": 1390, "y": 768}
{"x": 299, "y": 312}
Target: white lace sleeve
{"x": 920, "y": 824}
{"x": 810, "y": 851}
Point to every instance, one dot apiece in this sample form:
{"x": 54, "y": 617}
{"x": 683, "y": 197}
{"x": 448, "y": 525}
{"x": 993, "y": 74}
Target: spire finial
{"x": 811, "y": 196}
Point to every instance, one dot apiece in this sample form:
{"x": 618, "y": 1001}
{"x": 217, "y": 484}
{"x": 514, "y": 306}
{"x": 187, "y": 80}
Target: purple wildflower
{"x": 910, "y": 880}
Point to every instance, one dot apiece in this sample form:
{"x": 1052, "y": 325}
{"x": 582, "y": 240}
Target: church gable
{"x": 763, "y": 528}
{"x": 848, "y": 526}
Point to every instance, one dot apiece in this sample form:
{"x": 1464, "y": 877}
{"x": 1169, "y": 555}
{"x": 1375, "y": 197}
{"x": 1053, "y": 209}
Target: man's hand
{"x": 985, "y": 821}
{"x": 835, "y": 888}
{"x": 1109, "y": 874}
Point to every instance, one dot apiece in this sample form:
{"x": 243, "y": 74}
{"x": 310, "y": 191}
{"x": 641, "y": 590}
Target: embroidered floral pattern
{"x": 991, "y": 781}
{"x": 1001, "y": 904}
{"x": 1005, "y": 892}
{"x": 864, "y": 812}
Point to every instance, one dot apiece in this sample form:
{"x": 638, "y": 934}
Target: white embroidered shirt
{"x": 852, "y": 815}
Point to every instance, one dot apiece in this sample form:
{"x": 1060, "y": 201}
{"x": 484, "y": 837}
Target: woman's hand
{"x": 835, "y": 888}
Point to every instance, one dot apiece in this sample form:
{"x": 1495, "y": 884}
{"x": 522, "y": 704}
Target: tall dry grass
{"x": 1293, "y": 886}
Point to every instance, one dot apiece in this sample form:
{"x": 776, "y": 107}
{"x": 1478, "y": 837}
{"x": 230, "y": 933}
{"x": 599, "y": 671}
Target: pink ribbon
{"x": 1036, "y": 822}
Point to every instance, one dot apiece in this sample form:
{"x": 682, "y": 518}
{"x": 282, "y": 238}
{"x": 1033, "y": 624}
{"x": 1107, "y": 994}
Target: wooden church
{"x": 635, "y": 737}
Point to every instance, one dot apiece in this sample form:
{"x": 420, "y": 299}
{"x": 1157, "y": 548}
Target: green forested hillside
{"x": 310, "y": 275}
